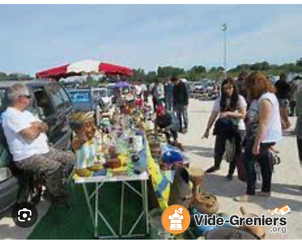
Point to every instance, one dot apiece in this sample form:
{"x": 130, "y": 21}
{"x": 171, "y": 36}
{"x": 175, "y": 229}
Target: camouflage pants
{"x": 52, "y": 165}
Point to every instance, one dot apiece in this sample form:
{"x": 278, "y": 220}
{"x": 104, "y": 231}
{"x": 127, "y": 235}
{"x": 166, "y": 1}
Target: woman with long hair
{"x": 263, "y": 131}
{"x": 230, "y": 109}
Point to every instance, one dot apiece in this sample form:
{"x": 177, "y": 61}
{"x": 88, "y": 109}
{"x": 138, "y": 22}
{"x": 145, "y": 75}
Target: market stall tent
{"x": 84, "y": 67}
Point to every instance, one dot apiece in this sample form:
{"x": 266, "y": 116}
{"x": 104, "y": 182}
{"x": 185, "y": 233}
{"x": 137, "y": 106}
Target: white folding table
{"x": 95, "y": 212}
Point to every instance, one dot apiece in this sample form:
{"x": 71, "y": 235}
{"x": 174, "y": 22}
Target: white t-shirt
{"x": 240, "y": 105}
{"x": 14, "y": 121}
{"x": 161, "y": 91}
{"x": 138, "y": 90}
{"x": 274, "y": 131}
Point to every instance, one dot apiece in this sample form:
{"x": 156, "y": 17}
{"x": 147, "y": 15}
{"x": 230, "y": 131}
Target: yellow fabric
{"x": 123, "y": 159}
{"x": 156, "y": 177}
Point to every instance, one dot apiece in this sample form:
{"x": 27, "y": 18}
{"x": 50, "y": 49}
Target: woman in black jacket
{"x": 230, "y": 108}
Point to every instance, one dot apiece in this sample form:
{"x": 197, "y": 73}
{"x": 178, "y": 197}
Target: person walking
{"x": 230, "y": 109}
{"x": 263, "y": 131}
{"x": 180, "y": 103}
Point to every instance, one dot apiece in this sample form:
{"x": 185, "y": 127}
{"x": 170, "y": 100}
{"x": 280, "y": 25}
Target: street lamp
{"x": 224, "y": 28}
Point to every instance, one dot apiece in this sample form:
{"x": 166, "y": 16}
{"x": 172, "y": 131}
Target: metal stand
{"x": 96, "y": 213}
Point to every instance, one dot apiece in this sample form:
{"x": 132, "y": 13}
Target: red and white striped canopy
{"x": 84, "y": 67}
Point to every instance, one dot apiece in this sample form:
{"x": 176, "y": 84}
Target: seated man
{"x": 28, "y": 143}
{"x": 166, "y": 122}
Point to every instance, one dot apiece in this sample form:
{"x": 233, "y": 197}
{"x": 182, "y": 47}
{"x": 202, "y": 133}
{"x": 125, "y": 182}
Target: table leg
{"x": 145, "y": 203}
{"x": 122, "y": 209}
{"x": 88, "y": 202}
{"x": 96, "y": 209}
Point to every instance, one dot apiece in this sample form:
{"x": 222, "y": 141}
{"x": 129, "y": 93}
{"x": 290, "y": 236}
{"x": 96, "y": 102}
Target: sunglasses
{"x": 26, "y": 96}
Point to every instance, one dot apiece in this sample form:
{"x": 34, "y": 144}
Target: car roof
{"x": 35, "y": 82}
{"x": 78, "y": 90}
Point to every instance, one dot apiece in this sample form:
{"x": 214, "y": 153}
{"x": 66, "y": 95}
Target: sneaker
{"x": 243, "y": 198}
{"x": 212, "y": 169}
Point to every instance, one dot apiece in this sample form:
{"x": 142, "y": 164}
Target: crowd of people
{"x": 170, "y": 103}
{"x": 251, "y": 113}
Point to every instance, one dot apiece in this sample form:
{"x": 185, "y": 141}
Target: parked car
{"x": 83, "y": 99}
{"x": 52, "y": 104}
{"x": 104, "y": 95}
{"x": 199, "y": 88}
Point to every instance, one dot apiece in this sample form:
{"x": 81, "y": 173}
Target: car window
{"x": 101, "y": 93}
{"x": 80, "y": 96}
{"x": 44, "y": 107}
{"x": 58, "y": 95}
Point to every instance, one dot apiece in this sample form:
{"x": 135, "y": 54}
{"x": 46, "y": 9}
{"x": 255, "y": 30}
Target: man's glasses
{"x": 26, "y": 96}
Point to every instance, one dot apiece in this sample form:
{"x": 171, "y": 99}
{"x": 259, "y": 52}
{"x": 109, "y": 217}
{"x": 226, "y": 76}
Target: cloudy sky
{"x": 37, "y": 37}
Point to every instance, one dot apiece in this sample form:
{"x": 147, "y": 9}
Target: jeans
{"x": 182, "y": 115}
{"x": 219, "y": 150}
{"x": 169, "y": 104}
{"x": 169, "y": 133}
{"x": 264, "y": 160}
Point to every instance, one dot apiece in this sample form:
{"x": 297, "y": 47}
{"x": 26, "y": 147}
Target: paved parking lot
{"x": 286, "y": 188}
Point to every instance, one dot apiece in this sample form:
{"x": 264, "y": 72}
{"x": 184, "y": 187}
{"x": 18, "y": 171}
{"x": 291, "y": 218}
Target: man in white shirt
{"x": 28, "y": 143}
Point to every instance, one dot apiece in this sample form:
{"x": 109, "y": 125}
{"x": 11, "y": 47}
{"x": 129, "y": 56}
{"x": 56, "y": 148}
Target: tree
{"x": 151, "y": 76}
{"x": 3, "y": 76}
{"x": 198, "y": 69}
{"x": 169, "y": 71}
{"x": 138, "y": 75}
{"x": 19, "y": 76}
{"x": 299, "y": 62}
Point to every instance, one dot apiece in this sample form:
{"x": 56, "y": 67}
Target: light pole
{"x": 224, "y": 29}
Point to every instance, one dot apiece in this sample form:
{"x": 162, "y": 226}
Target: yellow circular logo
{"x": 176, "y": 219}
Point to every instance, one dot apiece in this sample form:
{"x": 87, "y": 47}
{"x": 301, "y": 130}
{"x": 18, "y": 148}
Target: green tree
{"x": 198, "y": 69}
{"x": 299, "y": 62}
{"x": 3, "y": 76}
{"x": 138, "y": 75}
{"x": 169, "y": 71}
{"x": 151, "y": 76}
{"x": 19, "y": 76}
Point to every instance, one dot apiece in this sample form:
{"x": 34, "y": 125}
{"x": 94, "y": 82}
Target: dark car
{"x": 52, "y": 104}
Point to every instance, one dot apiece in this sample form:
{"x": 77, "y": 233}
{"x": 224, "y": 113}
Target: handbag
{"x": 241, "y": 168}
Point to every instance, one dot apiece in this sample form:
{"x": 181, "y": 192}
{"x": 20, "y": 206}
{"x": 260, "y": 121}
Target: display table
{"x": 96, "y": 212}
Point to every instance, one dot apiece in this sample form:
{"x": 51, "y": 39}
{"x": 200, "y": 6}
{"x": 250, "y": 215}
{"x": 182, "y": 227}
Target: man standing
{"x": 180, "y": 103}
{"x": 169, "y": 95}
{"x": 28, "y": 143}
{"x": 283, "y": 94}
